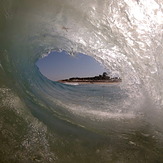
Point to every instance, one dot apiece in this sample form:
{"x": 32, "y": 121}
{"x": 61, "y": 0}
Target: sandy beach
{"x": 88, "y": 82}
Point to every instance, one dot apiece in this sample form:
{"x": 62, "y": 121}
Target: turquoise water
{"x": 46, "y": 121}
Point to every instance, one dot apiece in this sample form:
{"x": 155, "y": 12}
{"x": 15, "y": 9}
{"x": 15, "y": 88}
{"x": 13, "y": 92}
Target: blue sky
{"x": 58, "y": 66}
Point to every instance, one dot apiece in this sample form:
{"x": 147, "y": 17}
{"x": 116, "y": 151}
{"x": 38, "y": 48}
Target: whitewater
{"x": 46, "y": 121}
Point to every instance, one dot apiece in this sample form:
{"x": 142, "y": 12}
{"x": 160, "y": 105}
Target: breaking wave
{"x": 125, "y": 37}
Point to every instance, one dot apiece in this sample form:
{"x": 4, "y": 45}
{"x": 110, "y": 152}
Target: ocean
{"x": 46, "y": 121}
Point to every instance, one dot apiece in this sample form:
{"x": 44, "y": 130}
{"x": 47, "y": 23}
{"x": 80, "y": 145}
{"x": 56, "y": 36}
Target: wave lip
{"x": 124, "y": 36}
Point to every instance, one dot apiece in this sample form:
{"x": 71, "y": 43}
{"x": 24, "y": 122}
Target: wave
{"x": 36, "y": 113}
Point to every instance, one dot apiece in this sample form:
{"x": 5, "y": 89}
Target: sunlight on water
{"x": 46, "y": 121}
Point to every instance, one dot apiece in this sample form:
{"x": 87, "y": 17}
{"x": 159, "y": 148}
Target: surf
{"x": 41, "y": 119}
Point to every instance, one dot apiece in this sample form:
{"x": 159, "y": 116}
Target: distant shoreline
{"x": 101, "y": 79}
{"x": 89, "y": 82}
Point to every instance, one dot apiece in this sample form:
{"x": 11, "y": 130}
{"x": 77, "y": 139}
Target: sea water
{"x": 46, "y": 121}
